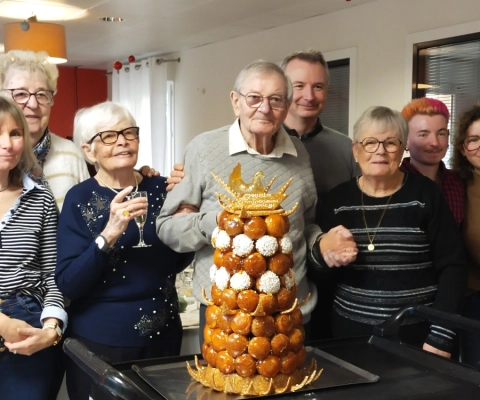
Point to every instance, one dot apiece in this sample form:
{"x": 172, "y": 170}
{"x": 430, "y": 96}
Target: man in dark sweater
{"x": 330, "y": 153}
{"x": 329, "y": 150}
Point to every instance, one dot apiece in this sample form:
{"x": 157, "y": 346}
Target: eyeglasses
{"x": 111, "y": 137}
{"x": 255, "y": 100}
{"x": 472, "y": 143}
{"x": 21, "y": 96}
{"x": 371, "y": 145}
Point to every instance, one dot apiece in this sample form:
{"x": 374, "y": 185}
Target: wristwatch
{"x": 54, "y": 325}
{"x": 102, "y": 244}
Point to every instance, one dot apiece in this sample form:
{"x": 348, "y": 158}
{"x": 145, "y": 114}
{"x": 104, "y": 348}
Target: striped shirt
{"x": 417, "y": 259}
{"x": 28, "y": 248}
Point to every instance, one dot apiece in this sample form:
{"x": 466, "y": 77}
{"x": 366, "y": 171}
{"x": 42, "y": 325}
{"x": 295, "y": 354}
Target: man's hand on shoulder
{"x": 148, "y": 172}
{"x": 175, "y": 177}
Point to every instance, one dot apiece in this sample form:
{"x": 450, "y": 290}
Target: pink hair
{"x": 426, "y": 106}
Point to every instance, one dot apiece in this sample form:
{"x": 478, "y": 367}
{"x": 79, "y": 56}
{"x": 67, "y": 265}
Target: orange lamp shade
{"x": 41, "y": 36}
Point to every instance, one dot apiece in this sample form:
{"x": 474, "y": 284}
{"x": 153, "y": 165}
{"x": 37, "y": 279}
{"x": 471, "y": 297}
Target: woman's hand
{"x": 121, "y": 213}
{"x": 10, "y": 327}
{"x": 175, "y": 177}
{"x": 33, "y": 340}
{"x": 338, "y": 248}
{"x": 434, "y": 350}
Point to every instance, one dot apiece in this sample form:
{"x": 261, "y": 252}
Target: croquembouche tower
{"x": 254, "y": 337}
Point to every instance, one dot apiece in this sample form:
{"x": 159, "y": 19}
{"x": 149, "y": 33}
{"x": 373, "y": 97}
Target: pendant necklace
{"x": 116, "y": 191}
{"x": 371, "y": 246}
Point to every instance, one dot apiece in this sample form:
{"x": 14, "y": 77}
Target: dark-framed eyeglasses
{"x": 371, "y": 144}
{"x": 21, "y": 96}
{"x": 255, "y": 100}
{"x": 472, "y": 143}
{"x": 111, "y": 137}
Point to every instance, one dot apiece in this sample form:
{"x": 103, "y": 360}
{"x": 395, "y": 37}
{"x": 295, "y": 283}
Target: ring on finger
{"x": 125, "y": 212}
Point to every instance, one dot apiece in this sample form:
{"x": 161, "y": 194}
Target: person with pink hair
{"x": 428, "y": 143}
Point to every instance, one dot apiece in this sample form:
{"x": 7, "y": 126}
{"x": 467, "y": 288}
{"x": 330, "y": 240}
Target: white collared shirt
{"x": 237, "y": 143}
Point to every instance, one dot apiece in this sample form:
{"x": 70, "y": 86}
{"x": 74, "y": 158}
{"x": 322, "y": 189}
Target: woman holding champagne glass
{"x": 119, "y": 276}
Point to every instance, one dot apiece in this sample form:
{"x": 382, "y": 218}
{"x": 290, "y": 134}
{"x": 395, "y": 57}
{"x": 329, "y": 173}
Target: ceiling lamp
{"x": 37, "y": 36}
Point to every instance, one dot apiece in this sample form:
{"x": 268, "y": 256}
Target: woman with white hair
{"x": 409, "y": 247}
{"x": 31, "y": 81}
{"x": 124, "y": 304}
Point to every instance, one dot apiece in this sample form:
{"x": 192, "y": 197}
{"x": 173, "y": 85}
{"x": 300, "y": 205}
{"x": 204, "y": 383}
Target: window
{"x": 335, "y": 114}
{"x": 169, "y": 126}
{"x": 448, "y": 70}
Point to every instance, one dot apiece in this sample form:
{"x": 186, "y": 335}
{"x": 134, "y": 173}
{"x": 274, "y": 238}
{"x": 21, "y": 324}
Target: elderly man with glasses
{"x": 257, "y": 140}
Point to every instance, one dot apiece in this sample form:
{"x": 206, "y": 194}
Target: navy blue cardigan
{"x": 126, "y": 297}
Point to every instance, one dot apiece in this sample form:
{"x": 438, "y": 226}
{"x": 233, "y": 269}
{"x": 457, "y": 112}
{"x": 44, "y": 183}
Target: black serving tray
{"x": 173, "y": 382}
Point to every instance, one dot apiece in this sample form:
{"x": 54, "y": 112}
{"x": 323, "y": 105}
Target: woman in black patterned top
{"x": 29, "y": 298}
{"x": 408, "y": 249}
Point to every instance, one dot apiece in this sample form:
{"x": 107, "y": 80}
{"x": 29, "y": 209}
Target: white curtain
{"x": 142, "y": 88}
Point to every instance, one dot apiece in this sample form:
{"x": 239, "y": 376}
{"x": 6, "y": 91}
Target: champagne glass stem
{"x": 140, "y": 229}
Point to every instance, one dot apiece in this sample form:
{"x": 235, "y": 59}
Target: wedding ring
{"x": 14, "y": 351}
{"x": 126, "y": 213}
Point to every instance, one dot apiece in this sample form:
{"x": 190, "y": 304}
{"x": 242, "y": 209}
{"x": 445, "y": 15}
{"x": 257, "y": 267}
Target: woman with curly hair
{"x": 466, "y": 162}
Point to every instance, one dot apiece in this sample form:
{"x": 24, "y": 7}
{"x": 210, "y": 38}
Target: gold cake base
{"x": 256, "y": 385}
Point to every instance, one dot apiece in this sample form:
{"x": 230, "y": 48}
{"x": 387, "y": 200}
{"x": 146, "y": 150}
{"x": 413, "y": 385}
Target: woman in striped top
{"x": 407, "y": 245}
{"x": 29, "y": 298}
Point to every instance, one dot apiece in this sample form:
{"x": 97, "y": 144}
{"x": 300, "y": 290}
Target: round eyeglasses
{"x": 22, "y": 96}
{"x": 472, "y": 143}
{"x": 371, "y": 145}
{"x": 111, "y": 137}
{"x": 255, "y": 100}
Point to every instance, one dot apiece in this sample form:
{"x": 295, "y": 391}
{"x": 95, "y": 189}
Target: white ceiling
{"x": 160, "y": 27}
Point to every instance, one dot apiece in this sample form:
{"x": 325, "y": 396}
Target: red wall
{"x": 76, "y": 88}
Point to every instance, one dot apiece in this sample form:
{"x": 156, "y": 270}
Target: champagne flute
{"x": 141, "y": 219}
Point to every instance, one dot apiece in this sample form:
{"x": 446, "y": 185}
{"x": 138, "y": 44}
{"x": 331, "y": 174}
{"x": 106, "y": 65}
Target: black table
{"x": 405, "y": 372}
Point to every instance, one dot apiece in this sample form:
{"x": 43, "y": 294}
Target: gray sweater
{"x": 209, "y": 152}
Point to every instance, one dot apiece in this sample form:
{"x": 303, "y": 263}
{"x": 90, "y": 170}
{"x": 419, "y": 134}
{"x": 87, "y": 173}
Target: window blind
{"x": 335, "y": 114}
{"x": 452, "y": 75}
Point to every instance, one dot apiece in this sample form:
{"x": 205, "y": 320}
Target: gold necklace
{"x": 371, "y": 246}
{"x": 2, "y": 190}
{"x": 116, "y": 191}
